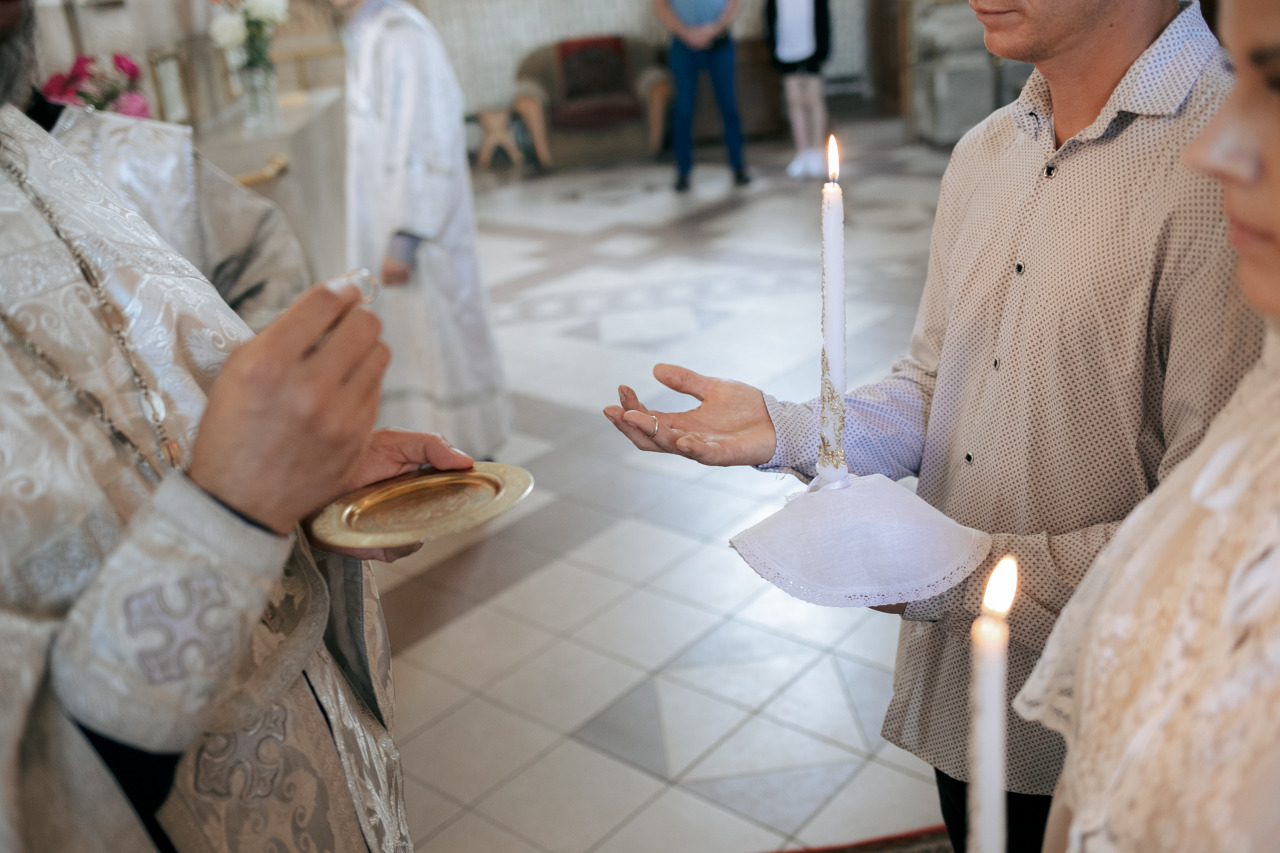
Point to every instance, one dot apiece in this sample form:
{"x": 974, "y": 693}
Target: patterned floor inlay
{"x": 782, "y": 799}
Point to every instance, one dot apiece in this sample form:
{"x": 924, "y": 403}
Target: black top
{"x": 43, "y": 111}
{"x": 821, "y": 27}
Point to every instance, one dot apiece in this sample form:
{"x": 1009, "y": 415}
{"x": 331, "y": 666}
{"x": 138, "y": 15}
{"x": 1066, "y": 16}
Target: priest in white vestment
{"x": 238, "y": 239}
{"x": 169, "y": 640}
{"x": 410, "y": 216}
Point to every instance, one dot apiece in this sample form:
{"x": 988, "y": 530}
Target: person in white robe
{"x": 410, "y": 215}
{"x": 238, "y": 239}
{"x": 1163, "y": 672}
{"x": 171, "y": 641}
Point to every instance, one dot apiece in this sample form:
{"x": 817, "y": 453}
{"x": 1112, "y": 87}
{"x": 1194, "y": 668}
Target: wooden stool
{"x": 496, "y": 127}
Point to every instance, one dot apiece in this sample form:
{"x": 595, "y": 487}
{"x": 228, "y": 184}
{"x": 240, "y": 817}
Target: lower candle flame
{"x": 833, "y": 159}
{"x": 1001, "y": 588}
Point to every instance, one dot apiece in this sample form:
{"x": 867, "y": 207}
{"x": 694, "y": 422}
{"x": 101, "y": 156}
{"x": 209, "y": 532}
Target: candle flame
{"x": 1001, "y": 588}
{"x": 833, "y": 159}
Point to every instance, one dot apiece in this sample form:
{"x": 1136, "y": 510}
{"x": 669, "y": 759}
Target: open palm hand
{"x": 730, "y": 426}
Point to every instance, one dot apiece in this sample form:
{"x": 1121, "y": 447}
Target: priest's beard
{"x": 16, "y": 51}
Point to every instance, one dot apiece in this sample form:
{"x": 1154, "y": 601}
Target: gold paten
{"x": 420, "y": 506}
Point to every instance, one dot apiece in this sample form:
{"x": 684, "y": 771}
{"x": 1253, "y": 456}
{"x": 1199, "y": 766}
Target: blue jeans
{"x": 686, "y": 65}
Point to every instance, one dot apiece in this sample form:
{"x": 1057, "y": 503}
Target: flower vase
{"x": 261, "y": 100}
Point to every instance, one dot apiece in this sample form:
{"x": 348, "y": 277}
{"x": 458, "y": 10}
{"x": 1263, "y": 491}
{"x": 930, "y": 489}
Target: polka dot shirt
{"x": 1079, "y": 330}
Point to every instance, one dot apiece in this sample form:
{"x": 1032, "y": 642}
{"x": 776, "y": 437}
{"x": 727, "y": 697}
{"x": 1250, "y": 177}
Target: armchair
{"x": 594, "y": 99}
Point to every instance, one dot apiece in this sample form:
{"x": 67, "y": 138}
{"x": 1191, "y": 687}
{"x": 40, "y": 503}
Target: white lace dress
{"x": 1163, "y": 673}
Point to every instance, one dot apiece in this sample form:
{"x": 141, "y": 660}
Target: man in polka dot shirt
{"x": 1079, "y": 330}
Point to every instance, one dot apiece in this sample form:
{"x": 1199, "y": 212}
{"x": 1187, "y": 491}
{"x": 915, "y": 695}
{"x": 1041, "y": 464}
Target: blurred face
{"x": 1038, "y": 30}
{"x": 1241, "y": 147}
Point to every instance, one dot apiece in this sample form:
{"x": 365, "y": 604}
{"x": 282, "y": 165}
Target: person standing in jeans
{"x": 701, "y": 41}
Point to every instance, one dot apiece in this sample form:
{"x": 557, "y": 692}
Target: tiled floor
{"x": 598, "y": 671}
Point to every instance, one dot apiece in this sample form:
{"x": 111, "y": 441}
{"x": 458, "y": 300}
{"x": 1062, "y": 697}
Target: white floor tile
{"x": 422, "y": 697}
{"x": 634, "y": 550}
{"x": 519, "y": 449}
{"x": 439, "y": 550}
{"x": 762, "y": 745}
{"x": 875, "y": 640}
{"x": 678, "y": 822}
{"x": 663, "y": 463}
{"x": 816, "y": 703}
{"x": 473, "y": 748}
{"x": 504, "y": 257}
{"x": 757, "y": 514}
{"x": 748, "y": 684}
{"x": 625, "y": 246}
{"x": 821, "y": 626}
{"x": 388, "y": 576}
{"x": 747, "y": 481}
{"x": 622, "y": 328}
{"x": 713, "y": 577}
{"x": 646, "y": 629}
{"x": 877, "y": 801}
{"x": 560, "y": 596}
{"x": 473, "y": 834}
{"x": 903, "y": 760}
{"x": 570, "y": 799}
{"x": 478, "y": 647}
{"x": 564, "y": 685}
{"x": 692, "y": 723}
{"x": 426, "y": 808}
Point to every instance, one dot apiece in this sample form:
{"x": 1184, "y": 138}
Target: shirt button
{"x": 968, "y": 457}
{"x": 1050, "y": 171}
{"x": 1019, "y": 268}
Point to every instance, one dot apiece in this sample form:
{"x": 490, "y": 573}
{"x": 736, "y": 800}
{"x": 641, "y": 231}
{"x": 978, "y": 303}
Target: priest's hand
{"x": 390, "y": 453}
{"x": 395, "y": 273}
{"x": 288, "y": 419}
{"x": 731, "y": 426}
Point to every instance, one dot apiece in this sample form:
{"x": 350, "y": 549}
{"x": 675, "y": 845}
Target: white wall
{"x": 487, "y": 39}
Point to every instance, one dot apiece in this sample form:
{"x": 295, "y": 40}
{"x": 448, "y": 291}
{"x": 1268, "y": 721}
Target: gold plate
{"x": 420, "y": 506}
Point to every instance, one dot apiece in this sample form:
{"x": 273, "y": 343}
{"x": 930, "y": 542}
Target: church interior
{"x": 596, "y": 670}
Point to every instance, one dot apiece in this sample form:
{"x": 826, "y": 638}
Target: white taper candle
{"x": 831, "y": 464}
{"x": 990, "y": 636}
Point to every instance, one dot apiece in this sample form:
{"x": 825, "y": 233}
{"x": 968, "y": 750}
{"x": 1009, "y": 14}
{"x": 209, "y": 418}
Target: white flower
{"x": 228, "y": 30}
{"x": 270, "y": 11}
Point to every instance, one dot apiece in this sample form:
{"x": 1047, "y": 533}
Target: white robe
{"x": 148, "y": 613}
{"x": 238, "y": 240}
{"x": 407, "y": 170}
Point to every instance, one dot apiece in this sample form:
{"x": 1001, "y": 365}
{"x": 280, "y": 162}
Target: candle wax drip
{"x": 831, "y": 455}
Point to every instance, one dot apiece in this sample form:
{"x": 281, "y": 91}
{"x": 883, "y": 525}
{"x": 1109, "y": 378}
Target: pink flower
{"x": 60, "y": 89}
{"x": 133, "y": 104}
{"x": 126, "y": 66}
{"x": 80, "y": 70}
